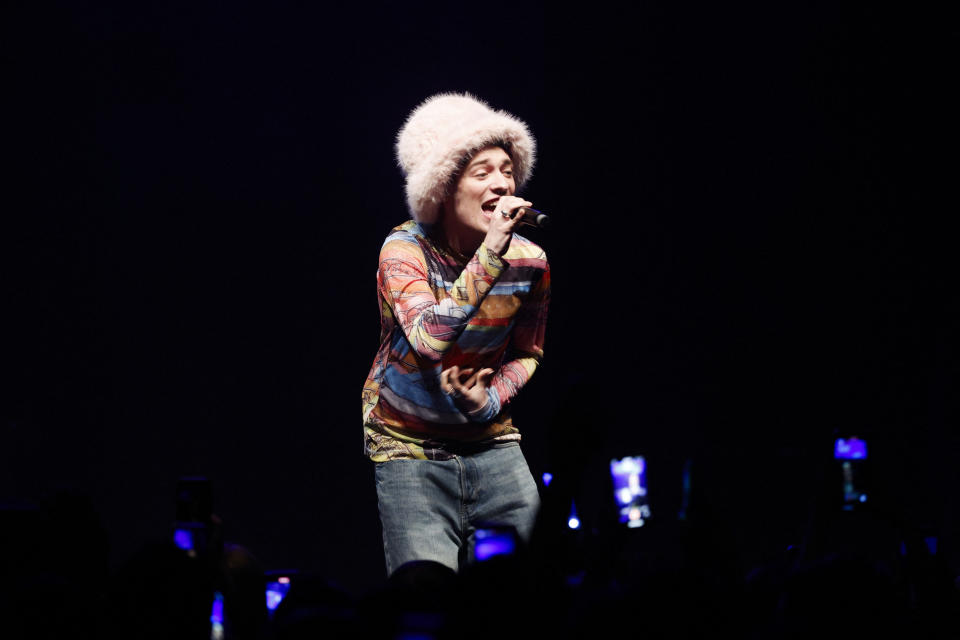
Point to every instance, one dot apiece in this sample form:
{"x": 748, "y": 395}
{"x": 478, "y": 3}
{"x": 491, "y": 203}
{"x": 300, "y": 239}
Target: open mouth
{"x": 490, "y": 205}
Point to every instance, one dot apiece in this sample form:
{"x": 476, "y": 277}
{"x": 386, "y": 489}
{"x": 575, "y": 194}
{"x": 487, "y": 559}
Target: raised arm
{"x": 432, "y": 326}
{"x": 526, "y": 343}
{"x": 483, "y": 395}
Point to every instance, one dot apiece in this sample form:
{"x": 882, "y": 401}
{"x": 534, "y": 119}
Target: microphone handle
{"x": 531, "y": 217}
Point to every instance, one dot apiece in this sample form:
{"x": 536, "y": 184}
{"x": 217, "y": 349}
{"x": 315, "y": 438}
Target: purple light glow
{"x": 183, "y": 539}
{"x": 216, "y": 612}
{"x": 494, "y": 546}
{"x": 573, "y": 522}
{"x": 850, "y": 449}
{"x": 276, "y": 592}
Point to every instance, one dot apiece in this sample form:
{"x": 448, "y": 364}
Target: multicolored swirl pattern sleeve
{"x": 432, "y": 326}
{"x": 527, "y": 342}
{"x": 438, "y": 310}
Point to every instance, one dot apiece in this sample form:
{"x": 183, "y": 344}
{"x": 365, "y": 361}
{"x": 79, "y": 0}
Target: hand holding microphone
{"x": 529, "y": 216}
{"x": 510, "y": 212}
{"x": 514, "y": 208}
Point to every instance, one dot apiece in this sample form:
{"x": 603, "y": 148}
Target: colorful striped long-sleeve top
{"x": 438, "y": 310}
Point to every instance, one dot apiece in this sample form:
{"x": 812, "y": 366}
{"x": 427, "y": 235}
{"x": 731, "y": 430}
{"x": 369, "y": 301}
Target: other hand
{"x": 468, "y": 389}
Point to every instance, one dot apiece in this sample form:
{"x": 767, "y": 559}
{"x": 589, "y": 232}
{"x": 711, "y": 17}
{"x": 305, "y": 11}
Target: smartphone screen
{"x": 216, "y": 617}
{"x": 851, "y": 453}
{"x": 629, "y": 477}
{"x": 277, "y": 588}
{"x": 850, "y": 449}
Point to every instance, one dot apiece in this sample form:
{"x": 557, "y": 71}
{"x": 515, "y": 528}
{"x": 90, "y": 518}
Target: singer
{"x": 463, "y": 309}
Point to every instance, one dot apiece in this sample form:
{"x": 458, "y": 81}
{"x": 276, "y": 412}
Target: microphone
{"x": 531, "y": 217}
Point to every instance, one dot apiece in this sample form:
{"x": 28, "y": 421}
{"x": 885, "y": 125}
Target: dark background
{"x": 746, "y": 255}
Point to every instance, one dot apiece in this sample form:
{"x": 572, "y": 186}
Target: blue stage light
{"x": 276, "y": 592}
{"x": 183, "y": 538}
{"x": 850, "y": 449}
{"x": 573, "y": 522}
{"x": 216, "y": 617}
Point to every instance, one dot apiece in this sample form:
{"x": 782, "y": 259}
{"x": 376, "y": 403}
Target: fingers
{"x": 510, "y": 205}
{"x": 472, "y": 380}
{"x": 456, "y": 379}
{"x": 481, "y": 378}
{"x": 485, "y": 376}
{"x": 446, "y": 376}
{"x": 502, "y": 222}
{"x": 452, "y": 380}
{"x": 467, "y": 388}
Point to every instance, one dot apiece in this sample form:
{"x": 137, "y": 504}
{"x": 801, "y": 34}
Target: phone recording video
{"x": 629, "y": 477}
{"x": 851, "y": 453}
{"x": 277, "y": 587}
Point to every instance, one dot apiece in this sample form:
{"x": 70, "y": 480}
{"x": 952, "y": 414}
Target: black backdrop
{"x": 745, "y": 255}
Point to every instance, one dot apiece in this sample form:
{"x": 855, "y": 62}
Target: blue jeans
{"x": 430, "y": 508}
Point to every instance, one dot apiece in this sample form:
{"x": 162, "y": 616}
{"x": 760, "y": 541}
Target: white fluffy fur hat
{"x": 444, "y": 131}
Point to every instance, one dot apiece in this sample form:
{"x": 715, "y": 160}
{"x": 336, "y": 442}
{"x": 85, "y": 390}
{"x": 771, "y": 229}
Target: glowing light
{"x": 573, "y": 522}
{"x": 216, "y": 612}
{"x": 276, "y": 592}
{"x": 216, "y": 617}
{"x": 629, "y": 482}
{"x": 547, "y": 479}
{"x": 183, "y": 539}
{"x": 863, "y": 497}
{"x": 850, "y": 449}
{"x": 493, "y": 546}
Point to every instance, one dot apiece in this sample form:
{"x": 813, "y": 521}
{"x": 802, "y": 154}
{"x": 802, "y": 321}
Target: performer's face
{"x": 487, "y": 177}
